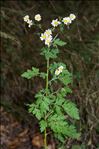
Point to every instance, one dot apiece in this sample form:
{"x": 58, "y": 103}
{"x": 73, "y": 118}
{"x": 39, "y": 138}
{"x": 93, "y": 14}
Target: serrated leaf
{"x": 44, "y": 106}
{"x": 30, "y": 73}
{"x": 60, "y": 137}
{"x": 59, "y": 100}
{"x": 38, "y": 115}
{"x": 76, "y": 147}
{"x": 70, "y": 131}
{"x": 49, "y": 53}
{"x": 36, "y": 112}
{"x": 65, "y": 77}
{"x": 71, "y": 109}
{"x": 57, "y": 123}
{"x": 43, "y": 75}
{"x": 62, "y": 27}
{"x": 64, "y": 91}
{"x": 58, "y": 110}
{"x": 43, "y": 125}
{"x": 34, "y": 108}
{"x": 59, "y": 126}
{"x": 59, "y": 42}
{"x": 31, "y": 108}
{"x": 39, "y": 95}
{"x": 68, "y": 90}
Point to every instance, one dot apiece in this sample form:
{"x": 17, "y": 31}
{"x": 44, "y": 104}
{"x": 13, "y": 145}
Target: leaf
{"x": 65, "y": 77}
{"x": 39, "y": 94}
{"x": 43, "y": 75}
{"x": 34, "y": 109}
{"x": 64, "y": 91}
{"x": 59, "y": 126}
{"x": 70, "y": 131}
{"x": 59, "y": 42}
{"x": 56, "y": 123}
{"x": 68, "y": 90}
{"x": 44, "y": 106}
{"x": 37, "y": 140}
{"x": 49, "y": 53}
{"x": 71, "y": 109}
{"x": 31, "y": 108}
{"x": 76, "y": 147}
{"x": 37, "y": 113}
{"x": 30, "y": 73}
{"x": 43, "y": 125}
{"x": 59, "y": 100}
{"x": 58, "y": 110}
{"x": 60, "y": 137}
{"x": 61, "y": 27}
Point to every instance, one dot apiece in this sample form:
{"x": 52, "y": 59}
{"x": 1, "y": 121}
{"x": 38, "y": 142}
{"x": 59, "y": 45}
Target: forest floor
{"x": 16, "y": 135}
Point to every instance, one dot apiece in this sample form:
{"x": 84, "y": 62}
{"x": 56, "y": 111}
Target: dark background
{"x": 20, "y": 50}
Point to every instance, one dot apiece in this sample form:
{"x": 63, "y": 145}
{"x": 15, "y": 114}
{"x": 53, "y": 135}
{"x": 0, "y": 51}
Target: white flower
{"x": 43, "y": 36}
{"x": 55, "y": 23}
{"x": 26, "y": 18}
{"x": 47, "y": 36}
{"x": 37, "y": 17}
{"x": 72, "y": 17}
{"x": 30, "y": 23}
{"x": 48, "y": 40}
{"x": 67, "y": 20}
{"x": 48, "y": 32}
{"x": 59, "y": 70}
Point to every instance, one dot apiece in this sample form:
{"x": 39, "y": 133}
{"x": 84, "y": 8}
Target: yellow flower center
{"x": 56, "y": 23}
{"x": 44, "y": 36}
{"x": 65, "y": 21}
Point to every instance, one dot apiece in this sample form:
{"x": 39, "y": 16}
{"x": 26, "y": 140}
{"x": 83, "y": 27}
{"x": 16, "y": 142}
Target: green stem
{"x": 45, "y": 139}
{"x": 45, "y": 133}
{"x": 47, "y": 76}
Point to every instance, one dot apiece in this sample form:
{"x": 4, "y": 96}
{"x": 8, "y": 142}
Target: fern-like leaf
{"x": 30, "y": 73}
{"x": 71, "y": 109}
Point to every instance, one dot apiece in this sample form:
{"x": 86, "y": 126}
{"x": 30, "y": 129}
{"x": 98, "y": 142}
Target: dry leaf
{"x": 38, "y": 140}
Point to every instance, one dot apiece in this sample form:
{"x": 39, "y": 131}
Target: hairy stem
{"x": 45, "y": 133}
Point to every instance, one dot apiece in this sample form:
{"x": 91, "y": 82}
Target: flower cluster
{"x": 59, "y": 70}
{"x": 47, "y": 37}
{"x": 30, "y": 22}
{"x": 68, "y": 20}
{"x": 27, "y": 19}
{"x": 65, "y": 20}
